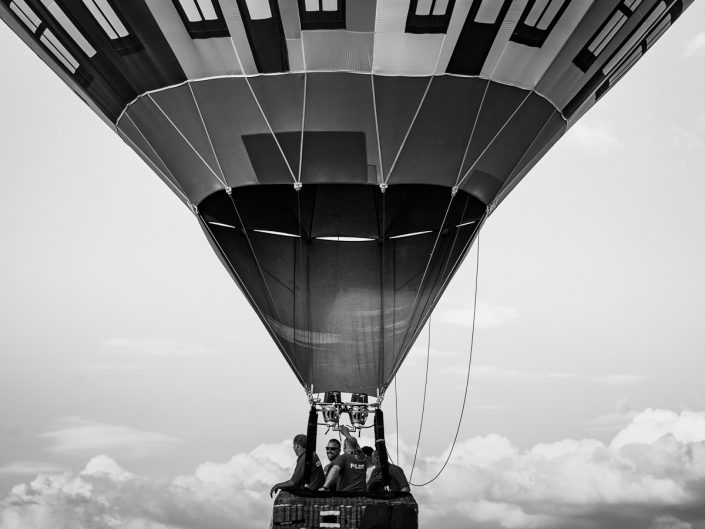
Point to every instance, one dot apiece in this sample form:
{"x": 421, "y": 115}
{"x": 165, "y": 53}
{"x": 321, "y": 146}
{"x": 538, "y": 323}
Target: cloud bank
{"x": 598, "y": 137}
{"x": 696, "y": 47}
{"x": 487, "y": 316}
{"x": 30, "y": 468}
{"x": 493, "y": 372}
{"x": 155, "y": 347}
{"x": 650, "y": 476}
{"x": 79, "y": 436}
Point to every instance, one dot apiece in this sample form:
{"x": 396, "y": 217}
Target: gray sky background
{"x": 129, "y": 359}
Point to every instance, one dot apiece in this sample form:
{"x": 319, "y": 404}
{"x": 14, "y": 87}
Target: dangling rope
{"x": 396, "y": 412}
{"x": 467, "y": 380}
{"x": 423, "y": 405}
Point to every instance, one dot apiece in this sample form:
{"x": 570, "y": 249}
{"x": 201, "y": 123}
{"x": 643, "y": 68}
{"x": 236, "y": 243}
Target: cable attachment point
{"x": 298, "y": 186}
{"x": 194, "y": 208}
{"x": 383, "y": 187}
{"x": 229, "y": 190}
{"x": 454, "y": 191}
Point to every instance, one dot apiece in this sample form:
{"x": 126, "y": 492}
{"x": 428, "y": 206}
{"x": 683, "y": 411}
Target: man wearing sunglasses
{"x": 347, "y": 471}
{"x": 332, "y": 451}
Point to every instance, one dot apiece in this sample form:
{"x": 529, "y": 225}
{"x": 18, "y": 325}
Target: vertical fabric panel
{"x": 406, "y": 53}
{"x": 197, "y": 57}
{"x": 281, "y": 99}
{"x": 191, "y": 172}
{"x": 498, "y": 105}
{"x": 360, "y": 15}
{"x": 437, "y": 141}
{"x": 338, "y": 50}
{"x": 238, "y": 36}
{"x": 230, "y": 110}
{"x": 525, "y": 66}
{"x": 181, "y": 108}
{"x": 397, "y": 101}
{"x": 342, "y": 102}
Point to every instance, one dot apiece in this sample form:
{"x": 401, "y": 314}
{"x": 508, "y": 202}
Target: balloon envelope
{"x": 341, "y": 156}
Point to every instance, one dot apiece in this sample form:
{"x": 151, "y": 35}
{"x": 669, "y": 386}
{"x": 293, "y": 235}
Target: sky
{"x": 138, "y": 390}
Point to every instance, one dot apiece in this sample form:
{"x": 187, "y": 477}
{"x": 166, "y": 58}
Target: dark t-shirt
{"x": 353, "y": 472}
{"x": 397, "y": 479}
{"x": 327, "y": 468}
{"x": 297, "y": 477}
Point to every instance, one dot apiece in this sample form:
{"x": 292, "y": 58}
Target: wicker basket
{"x": 301, "y": 509}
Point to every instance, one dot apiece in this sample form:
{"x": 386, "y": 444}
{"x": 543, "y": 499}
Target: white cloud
{"x": 622, "y": 415}
{"x": 696, "y": 47}
{"x": 598, "y": 137}
{"x": 84, "y": 437}
{"x": 103, "y": 495}
{"x": 489, "y": 407}
{"x": 29, "y": 467}
{"x": 651, "y": 425}
{"x": 99, "y": 367}
{"x": 700, "y": 123}
{"x": 651, "y": 476}
{"x": 578, "y": 483}
{"x": 417, "y": 355}
{"x": 668, "y": 522}
{"x": 487, "y": 316}
{"x": 684, "y": 138}
{"x": 493, "y": 372}
{"x": 506, "y": 514}
{"x": 154, "y": 347}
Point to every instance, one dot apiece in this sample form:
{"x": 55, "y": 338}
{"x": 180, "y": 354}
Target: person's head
{"x": 350, "y": 445}
{"x": 299, "y": 444}
{"x": 367, "y": 451}
{"x": 332, "y": 449}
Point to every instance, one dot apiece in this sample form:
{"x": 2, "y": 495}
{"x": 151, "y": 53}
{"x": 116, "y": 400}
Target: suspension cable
{"x": 309, "y": 361}
{"x": 467, "y": 378}
{"x": 400, "y": 358}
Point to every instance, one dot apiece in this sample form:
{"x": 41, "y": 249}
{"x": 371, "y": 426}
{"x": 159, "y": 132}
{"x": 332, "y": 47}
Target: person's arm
{"x": 296, "y": 478}
{"x": 401, "y": 480}
{"x": 331, "y": 477}
{"x": 375, "y": 481}
{"x": 282, "y": 485}
{"x": 345, "y": 431}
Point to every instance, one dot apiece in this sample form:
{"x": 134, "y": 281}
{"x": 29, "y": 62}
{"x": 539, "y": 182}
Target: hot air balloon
{"x": 341, "y": 156}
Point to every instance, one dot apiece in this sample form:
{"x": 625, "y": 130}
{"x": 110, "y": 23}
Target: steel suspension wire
{"x": 249, "y": 295}
{"x": 431, "y": 301}
{"x": 309, "y": 363}
{"x": 398, "y": 360}
{"x": 382, "y": 273}
{"x": 288, "y": 355}
{"x": 467, "y": 378}
{"x": 423, "y": 405}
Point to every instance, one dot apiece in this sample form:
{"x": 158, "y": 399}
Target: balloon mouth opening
{"x": 342, "y": 213}
{"x": 342, "y": 276}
